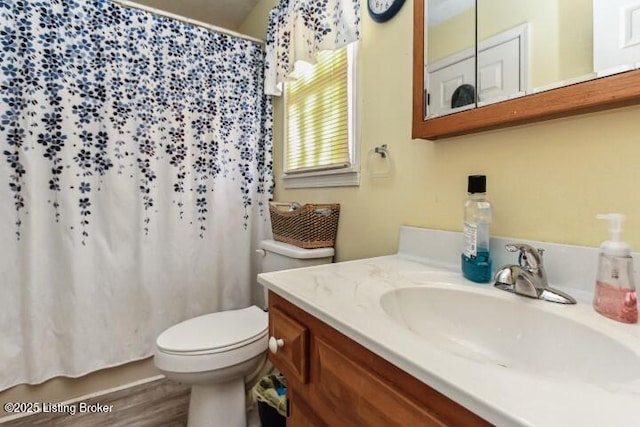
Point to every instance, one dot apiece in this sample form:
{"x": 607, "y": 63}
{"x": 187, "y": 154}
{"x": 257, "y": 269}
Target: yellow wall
{"x": 560, "y": 35}
{"x": 496, "y": 16}
{"x": 576, "y": 43}
{"x": 454, "y": 35}
{"x": 547, "y": 181}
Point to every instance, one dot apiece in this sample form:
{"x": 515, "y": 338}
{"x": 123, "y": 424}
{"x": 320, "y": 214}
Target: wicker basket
{"x": 309, "y": 226}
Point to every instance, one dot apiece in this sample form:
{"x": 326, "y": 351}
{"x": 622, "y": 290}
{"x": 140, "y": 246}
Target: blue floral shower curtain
{"x": 136, "y": 164}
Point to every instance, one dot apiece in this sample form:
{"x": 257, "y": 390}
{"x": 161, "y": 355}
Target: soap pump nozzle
{"x": 614, "y": 246}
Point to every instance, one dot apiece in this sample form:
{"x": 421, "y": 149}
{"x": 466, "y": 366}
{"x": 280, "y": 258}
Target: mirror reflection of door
{"x": 444, "y": 78}
{"x": 449, "y": 53}
{"x": 523, "y": 46}
{"x": 503, "y": 65}
{"x": 564, "y": 54}
{"x": 616, "y": 35}
{"x": 559, "y": 34}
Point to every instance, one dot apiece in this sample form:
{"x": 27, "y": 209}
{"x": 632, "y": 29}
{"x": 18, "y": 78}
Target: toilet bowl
{"x": 219, "y": 353}
{"x": 215, "y": 353}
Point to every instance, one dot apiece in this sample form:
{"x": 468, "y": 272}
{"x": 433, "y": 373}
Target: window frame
{"x": 340, "y": 176}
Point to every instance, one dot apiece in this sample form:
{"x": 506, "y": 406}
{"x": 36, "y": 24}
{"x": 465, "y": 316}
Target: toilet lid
{"x": 215, "y": 332}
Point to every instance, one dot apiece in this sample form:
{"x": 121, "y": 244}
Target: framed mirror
{"x": 576, "y": 88}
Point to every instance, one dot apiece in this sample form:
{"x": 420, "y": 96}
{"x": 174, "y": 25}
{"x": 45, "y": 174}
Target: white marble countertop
{"x": 346, "y": 296}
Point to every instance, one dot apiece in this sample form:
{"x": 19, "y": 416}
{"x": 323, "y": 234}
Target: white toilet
{"x": 218, "y": 353}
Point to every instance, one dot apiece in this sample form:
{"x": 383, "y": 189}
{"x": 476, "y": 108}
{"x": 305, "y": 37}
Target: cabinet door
{"x": 354, "y": 390}
{"x": 292, "y": 357}
{"x": 298, "y": 419}
{"x": 300, "y": 415}
{"x": 335, "y": 382}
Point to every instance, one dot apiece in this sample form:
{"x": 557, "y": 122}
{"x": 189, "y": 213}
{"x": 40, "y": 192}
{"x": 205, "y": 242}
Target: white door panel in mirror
{"x": 444, "y": 80}
{"x": 499, "y": 72}
{"x": 616, "y": 30}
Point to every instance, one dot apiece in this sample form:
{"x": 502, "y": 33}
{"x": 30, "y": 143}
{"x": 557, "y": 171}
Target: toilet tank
{"x": 278, "y": 256}
{"x": 283, "y": 256}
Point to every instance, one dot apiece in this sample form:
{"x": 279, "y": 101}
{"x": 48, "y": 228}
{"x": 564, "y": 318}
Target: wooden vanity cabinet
{"x": 334, "y": 381}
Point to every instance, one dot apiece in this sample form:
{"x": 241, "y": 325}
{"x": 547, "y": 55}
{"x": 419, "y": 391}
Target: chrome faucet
{"x": 529, "y": 277}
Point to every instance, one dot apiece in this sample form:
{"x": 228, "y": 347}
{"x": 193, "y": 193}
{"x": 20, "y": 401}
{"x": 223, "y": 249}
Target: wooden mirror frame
{"x": 617, "y": 90}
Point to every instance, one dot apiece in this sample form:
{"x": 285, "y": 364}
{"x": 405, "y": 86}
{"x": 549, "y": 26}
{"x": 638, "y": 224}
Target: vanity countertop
{"x": 346, "y": 296}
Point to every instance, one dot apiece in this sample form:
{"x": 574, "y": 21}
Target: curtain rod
{"x": 126, "y": 3}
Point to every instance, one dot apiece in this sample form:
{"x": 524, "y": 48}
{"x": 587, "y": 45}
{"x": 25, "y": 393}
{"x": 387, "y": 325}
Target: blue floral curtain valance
{"x": 299, "y": 29}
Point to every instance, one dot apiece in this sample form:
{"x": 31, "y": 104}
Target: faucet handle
{"x": 530, "y": 258}
{"x": 513, "y": 247}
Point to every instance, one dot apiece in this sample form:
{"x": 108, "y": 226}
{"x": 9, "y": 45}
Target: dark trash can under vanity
{"x": 272, "y": 402}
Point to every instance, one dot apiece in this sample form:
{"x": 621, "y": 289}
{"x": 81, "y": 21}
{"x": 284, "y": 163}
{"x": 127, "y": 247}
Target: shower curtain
{"x": 134, "y": 174}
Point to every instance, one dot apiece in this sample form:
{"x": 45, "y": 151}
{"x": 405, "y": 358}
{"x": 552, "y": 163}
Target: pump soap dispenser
{"x": 615, "y": 295}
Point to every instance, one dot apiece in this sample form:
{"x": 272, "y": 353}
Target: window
{"x": 320, "y": 148}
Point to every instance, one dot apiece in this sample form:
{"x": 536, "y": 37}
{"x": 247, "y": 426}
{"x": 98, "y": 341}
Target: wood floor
{"x": 157, "y": 403}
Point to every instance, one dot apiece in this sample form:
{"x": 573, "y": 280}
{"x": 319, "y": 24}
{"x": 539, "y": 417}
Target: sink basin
{"x": 511, "y": 332}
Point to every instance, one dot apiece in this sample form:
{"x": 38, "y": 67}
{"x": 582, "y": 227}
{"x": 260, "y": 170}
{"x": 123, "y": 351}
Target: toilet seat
{"x": 213, "y": 341}
{"x": 216, "y": 332}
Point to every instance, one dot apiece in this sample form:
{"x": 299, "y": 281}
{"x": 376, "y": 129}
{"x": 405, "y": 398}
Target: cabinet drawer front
{"x": 292, "y": 358}
{"x": 360, "y": 393}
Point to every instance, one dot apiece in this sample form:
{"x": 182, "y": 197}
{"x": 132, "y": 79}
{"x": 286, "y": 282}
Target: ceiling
{"x": 438, "y": 11}
{"x": 223, "y": 13}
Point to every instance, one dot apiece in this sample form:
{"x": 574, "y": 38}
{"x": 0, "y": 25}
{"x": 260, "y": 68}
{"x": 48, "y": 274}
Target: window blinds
{"x": 317, "y": 108}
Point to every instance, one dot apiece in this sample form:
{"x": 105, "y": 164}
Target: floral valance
{"x": 298, "y": 29}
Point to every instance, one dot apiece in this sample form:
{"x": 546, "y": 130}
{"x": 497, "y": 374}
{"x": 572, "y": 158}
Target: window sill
{"x": 331, "y": 178}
